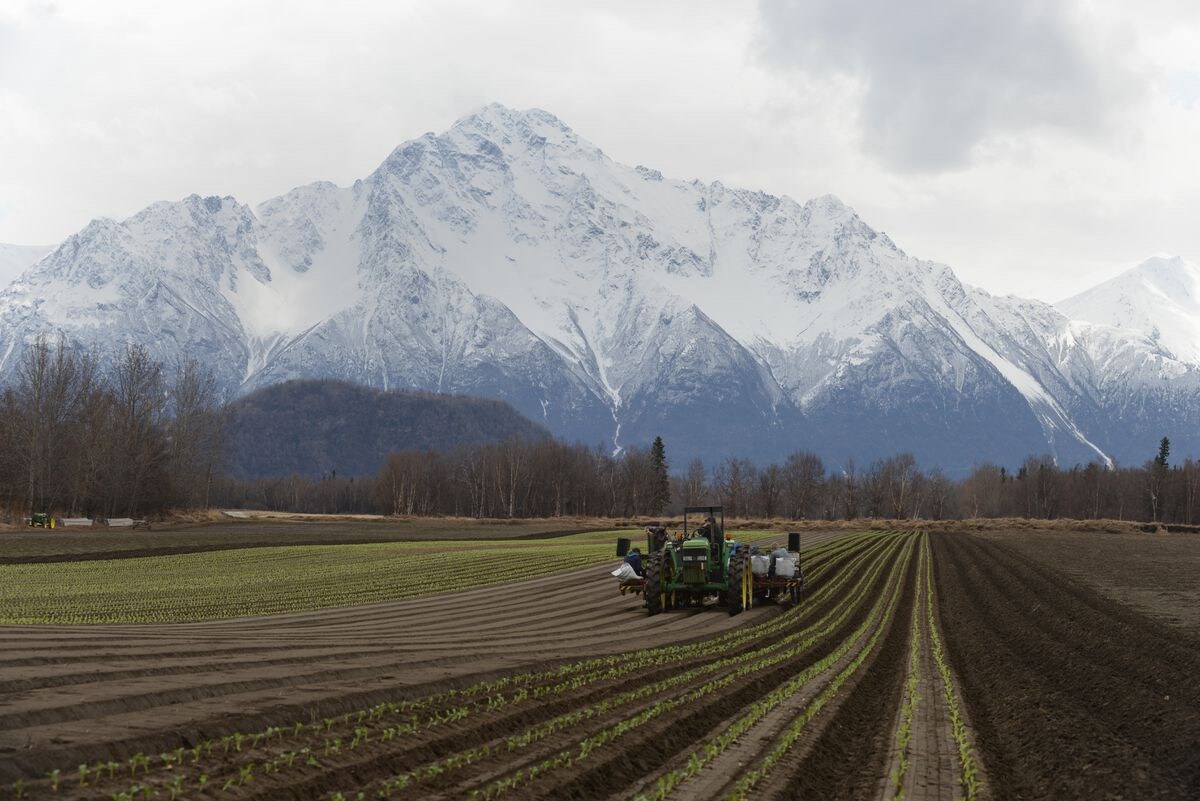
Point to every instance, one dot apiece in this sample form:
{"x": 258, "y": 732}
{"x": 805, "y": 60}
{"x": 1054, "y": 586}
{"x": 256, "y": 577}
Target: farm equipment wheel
{"x": 655, "y": 597}
{"x": 795, "y": 591}
{"x": 666, "y": 577}
{"x": 741, "y": 584}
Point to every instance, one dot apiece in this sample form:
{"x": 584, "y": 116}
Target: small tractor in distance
{"x": 41, "y": 520}
{"x": 704, "y": 564}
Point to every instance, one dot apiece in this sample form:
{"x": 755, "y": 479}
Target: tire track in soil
{"x": 400, "y": 627}
{"x": 1072, "y": 695}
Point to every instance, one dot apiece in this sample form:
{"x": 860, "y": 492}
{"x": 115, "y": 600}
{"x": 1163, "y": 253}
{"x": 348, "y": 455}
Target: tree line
{"x": 137, "y": 437}
{"x": 549, "y": 478}
{"x": 79, "y": 440}
{"x": 512, "y": 478}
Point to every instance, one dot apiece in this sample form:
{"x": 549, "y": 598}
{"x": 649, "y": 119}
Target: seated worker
{"x": 776, "y": 553}
{"x": 634, "y": 560}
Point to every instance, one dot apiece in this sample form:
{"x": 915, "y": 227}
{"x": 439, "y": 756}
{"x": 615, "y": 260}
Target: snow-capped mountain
{"x": 16, "y": 259}
{"x": 510, "y": 258}
{"x": 1159, "y": 297}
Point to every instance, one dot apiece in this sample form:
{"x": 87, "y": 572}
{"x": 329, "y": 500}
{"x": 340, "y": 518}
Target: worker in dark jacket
{"x": 634, "y": 560}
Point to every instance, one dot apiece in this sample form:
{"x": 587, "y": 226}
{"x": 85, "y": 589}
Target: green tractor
{"x": 702, "y": 565}
{"x": 41, "y": 520}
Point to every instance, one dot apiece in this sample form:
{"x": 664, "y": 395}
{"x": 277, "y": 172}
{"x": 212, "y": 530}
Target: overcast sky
{"x": 1036, "y": 147}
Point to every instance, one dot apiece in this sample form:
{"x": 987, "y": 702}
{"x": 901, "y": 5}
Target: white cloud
{"x": 108, "y": 106}
{"x": 936, "y": 79}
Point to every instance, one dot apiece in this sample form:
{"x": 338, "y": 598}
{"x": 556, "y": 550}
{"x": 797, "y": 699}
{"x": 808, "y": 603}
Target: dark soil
{"x": 1156, "y": 573}
{"x": 849, "y": 756}
{"x": 1072, "y": 695}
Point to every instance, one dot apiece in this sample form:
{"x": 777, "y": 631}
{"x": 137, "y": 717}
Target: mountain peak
{"x": 1163, "y": 268}
{"x": 496, "y": 131}
{"x": 1160, "y": 297}
{"x": 516, "y": 131}
{"x": 501, "y": 116}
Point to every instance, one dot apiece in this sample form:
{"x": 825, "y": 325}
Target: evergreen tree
{"x": 1164, "y": 450}
{"x": 660, "y": 491}
{"x": 1157, "y": 480}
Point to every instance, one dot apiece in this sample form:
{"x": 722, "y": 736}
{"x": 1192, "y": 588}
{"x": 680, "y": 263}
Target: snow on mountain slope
{"x": 16, "y": 259}
{"x": 1159, "y": 297}
{"x": 508, "y": 257}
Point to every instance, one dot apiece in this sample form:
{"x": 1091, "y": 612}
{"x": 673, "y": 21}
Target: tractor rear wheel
{"x": 653, "y": 592}
{"x": 740, "y": 594}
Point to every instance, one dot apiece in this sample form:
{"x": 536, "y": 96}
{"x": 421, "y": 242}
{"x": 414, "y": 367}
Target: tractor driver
{"x": 709, "y": 530}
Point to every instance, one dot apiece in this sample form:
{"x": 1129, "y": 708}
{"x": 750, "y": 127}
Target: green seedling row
{"x": 716, "y": 746}
{"x": 972, "y": 783}
{"x": 912, "y": 687}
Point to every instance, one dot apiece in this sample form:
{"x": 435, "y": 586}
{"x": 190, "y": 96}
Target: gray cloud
{"x": 939, "y": 77}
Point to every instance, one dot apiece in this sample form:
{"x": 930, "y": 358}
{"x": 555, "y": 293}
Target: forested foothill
{"x": 322, "y": 427}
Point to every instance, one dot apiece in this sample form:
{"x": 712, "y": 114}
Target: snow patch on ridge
{"x": 1047, "y": 410}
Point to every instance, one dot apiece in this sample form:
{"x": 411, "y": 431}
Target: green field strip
{"x": 265, "y": 581}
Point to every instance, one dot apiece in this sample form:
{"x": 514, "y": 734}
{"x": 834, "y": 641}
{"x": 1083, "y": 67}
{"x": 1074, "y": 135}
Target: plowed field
{"x": 917, "y": 666}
